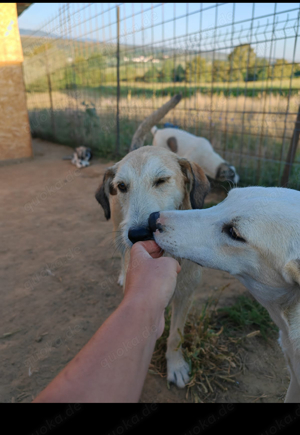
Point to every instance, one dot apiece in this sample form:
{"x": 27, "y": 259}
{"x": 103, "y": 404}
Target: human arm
{"x": 113, "y": 365}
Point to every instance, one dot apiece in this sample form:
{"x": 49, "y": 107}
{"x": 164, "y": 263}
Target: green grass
{"x": 83, "y": 129}
{"x": 259, "y": 84}
{"x": 58, "y": 83}
{"x": 247, "y": 313}
{"x": 213, "y": 342}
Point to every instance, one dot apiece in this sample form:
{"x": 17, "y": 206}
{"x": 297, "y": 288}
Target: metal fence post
{"x": 292, "y": 152}
{"x": 117, "y": 151}
{"x": 50, "y": 93}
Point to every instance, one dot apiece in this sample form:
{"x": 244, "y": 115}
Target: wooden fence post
{"x": 291, "y": 153}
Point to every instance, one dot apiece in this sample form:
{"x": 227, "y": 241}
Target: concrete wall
{"x": 15, "y": 138}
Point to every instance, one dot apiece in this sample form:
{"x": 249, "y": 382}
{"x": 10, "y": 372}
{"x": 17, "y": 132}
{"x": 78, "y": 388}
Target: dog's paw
{"x": 178, "y": 370}
{"x": 121, "y": 279}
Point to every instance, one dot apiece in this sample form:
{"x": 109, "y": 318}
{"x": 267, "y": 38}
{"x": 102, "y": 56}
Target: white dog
{"x": 254, "y": 234}
{"x": 146, "y": 180}
{"x": 195, "y": 149}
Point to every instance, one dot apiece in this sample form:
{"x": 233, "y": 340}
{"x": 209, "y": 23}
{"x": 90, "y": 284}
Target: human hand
{"x": 150, "y": 280}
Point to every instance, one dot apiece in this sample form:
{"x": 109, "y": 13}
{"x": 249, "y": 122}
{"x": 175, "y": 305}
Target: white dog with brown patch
{"x": 146, "y": 180}
{"x": 195, "y": 149}
{"x": 254, "y": 234}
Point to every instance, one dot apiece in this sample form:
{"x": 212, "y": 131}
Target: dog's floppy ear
{"x": 172, "y": 144}
{"x": 291, "y": 271}
{"x": 105, "y": 189}
{"x": 197, "y": 183}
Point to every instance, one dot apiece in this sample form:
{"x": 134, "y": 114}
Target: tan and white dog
{"x": 195, "y": 149}
{"x": 254, "y": 234}
{"x": 146, "y": 180}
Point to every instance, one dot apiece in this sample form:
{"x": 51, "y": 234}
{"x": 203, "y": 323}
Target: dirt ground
{"x": 59, "y": 283}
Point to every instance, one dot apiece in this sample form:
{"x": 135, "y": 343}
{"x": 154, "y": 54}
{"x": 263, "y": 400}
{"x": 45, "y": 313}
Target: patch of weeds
{"x": 215, "y": 357}
{"x": 247, "y": 313}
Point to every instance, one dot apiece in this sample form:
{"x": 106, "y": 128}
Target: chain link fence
{"x": 93, "y": 72}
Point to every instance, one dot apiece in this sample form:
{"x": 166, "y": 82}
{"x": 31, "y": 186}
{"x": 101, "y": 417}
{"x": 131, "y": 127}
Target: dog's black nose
{"x": 139, "y": 234}
{"x": 152, "y": 221}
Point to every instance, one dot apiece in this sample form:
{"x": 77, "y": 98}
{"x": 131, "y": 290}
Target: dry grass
{"x": 214, "y": 352}
{"x": 218, "y": 110}
{"x": 252, "y": 133}
{"x": 259, "y": 84}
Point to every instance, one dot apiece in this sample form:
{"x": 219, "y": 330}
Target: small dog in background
{"x": 81, "y": 157}
{"x": 195, "y": 149}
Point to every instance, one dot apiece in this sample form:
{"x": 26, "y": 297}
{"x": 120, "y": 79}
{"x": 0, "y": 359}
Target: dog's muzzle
{"x": 140, "y": 234}
{"x": 153, "y": 224}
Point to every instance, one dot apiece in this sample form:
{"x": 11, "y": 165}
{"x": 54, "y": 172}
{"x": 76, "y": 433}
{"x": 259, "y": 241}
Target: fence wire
{"x": 237, "y": 67}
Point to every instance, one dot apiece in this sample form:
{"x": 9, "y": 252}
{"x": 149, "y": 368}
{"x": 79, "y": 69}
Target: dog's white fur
{"x": 196, "y": 149}
{"x": 186, "y": 185}
{"x": 267, "y": 262}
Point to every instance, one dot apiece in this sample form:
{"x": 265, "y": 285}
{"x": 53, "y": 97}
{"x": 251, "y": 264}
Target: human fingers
{"x": 149, "y": 247}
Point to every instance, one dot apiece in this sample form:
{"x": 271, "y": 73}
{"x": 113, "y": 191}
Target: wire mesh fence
{"x": 93, "y": 72}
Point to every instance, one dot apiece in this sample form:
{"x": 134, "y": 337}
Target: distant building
{"x": 142, "y": 59}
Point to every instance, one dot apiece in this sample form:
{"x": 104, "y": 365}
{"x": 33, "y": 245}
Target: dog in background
{"x": 81, "y": 157}
{"x": 195, "y": 149}
{"x": 149, "y": 179}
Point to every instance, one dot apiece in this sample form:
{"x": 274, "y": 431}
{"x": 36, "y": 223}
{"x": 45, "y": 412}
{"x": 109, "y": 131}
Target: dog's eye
{"x": 122, "y": 187}
{"x": 160, "y": 181}
{"x": 233, "y": 233}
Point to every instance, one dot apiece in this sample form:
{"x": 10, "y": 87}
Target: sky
{"x": 98, "y": 22}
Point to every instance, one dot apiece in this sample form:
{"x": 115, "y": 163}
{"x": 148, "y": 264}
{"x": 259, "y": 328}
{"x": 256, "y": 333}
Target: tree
{"x": 152, "y": 74}
{"x": 262, "y": 68}
{"x": 197, "y": 70}
{"x": 96, "y": 60}
{"x": 281, "y": 69}
{"x": 297, "y": 69}
{"x": 166, "y": 73}
{"x": 178, "y": 74}
{"x": 220, "y": 71}
{"x": 170, "y": 74}
{"x": 242, "y": 60}
{"x": 128, "y": 72}
{"x": 78, "y": 60}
